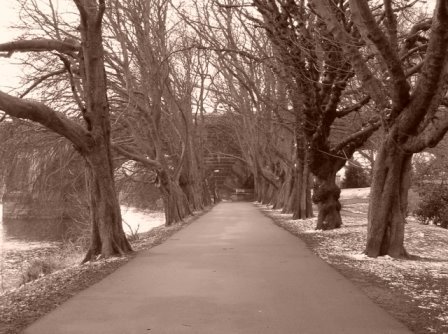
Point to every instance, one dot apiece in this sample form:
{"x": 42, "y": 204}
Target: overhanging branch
{"x": 39, "y": 45}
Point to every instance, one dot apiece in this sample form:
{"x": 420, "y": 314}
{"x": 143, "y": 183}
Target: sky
{"x": 9, "y": 72}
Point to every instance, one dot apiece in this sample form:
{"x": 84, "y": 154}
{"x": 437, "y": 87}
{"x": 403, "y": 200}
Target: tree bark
{"x": 303, "y": 208}
{"x": 174, "y": 199}
{"x": 388, "y": 202}
{"x": 285, "y": 192}
{"x": 108, "y": 237}
{"x": 326, "y": 196}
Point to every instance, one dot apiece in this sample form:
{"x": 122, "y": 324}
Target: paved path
{"x": 231, "y": 271}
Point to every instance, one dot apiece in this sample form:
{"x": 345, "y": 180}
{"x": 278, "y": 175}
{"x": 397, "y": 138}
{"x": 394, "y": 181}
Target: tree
{"x": 355, "y": 176}
{"x": 251, "y": 90}
{"x": 91, "y": 141}
{"x": 319, "y": 77}
{"x": 413, "y": 113}
{"x": 155, "y": 95}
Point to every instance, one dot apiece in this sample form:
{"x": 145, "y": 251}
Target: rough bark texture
{"x": 388, "y": 202}
{"x": 93, "y": 143}
{"x": 174, "y": 199}
{"x": 326, "y": 196}
{"x": 408, "y": 115}
{"x": 108, "y": 237}
{"x": 326, "y": 193}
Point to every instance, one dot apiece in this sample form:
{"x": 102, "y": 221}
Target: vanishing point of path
{"x": 231, "y": 271}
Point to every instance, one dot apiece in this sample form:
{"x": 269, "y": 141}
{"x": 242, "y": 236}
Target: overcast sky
{"x": 8, "y": 16}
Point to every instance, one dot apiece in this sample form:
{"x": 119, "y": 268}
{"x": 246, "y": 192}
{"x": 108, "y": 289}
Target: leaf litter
{"x": 413, "y": 290}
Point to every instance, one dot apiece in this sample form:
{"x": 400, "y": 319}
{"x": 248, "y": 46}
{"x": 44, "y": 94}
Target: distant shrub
{"x": 38, "y": 268}
{"x": 433, "y": 206}
{"x": 355, "y": 176}
{"x": 68, "y": 255}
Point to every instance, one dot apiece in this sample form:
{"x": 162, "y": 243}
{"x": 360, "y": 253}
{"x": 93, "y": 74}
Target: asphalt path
{"x": 230, "y": 271}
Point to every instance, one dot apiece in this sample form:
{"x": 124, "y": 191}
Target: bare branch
{"x": 39, "y": 81}
{"x": 366, "y": 24}
{"x": 42, "y": 114}
{"x": 365, "y": 132}
{"x": 39, "y": 45}
{"x": 428, "y": 138}
{"x": 101, "y": 10}
{"x": 136, "y": 157}
{"x": 352, "y": 108}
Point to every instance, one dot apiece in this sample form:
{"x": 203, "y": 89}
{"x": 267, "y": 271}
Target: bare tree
{"x": 320, "y": 76}
{"x": 92, "y": 141}
{"x": 411, "y": 102}
{"x": 156, "y": 95}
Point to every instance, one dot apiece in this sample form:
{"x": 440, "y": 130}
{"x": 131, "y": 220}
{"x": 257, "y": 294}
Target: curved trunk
{"x": 388, "y": 202}
{"x": 326, "y": 196}
{"x": 175, "y": 201}
{"x": 107, "y": 238}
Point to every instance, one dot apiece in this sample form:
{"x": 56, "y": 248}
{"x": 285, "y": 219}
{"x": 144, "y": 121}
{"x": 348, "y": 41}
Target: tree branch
{"x": 343, "y": 112}
{"x": 431, "y": 84}
{"x": 42, "y": 114}
{"x": 371, "y": 84}
{"x": 101, "y": 10}
{"x": 154, "y": 164}
{"x": 374, "y": 125}
{"x": 39, "y": 81}
{"x": 368, "y": 27}
{"x": 428, "y": 138}
{"x": 39, "y": 45}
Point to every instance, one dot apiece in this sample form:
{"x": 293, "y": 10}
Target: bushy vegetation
{"x": 433, "y": 206}
{"x": 39, "y": 268}
{"x": 70, "y": 254}
{"x": 355, "y": 176}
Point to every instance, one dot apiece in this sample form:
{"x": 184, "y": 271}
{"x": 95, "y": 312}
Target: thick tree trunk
{"x": 259, "y": 186}
{"x": 193, "y": 191}
{"x": 303, "y": 207}
{"x": 284, "y": 193}
{"x": 326, "y": 196}
{"x": 107, "y": 238}
{"x": 174, "y": 199}
{"x": 388, "y": 202}
{"x": 192, "y": 174}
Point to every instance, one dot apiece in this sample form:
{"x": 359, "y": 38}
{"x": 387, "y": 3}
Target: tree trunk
{"x": 107, "y": 238}
{"x": 303, "y": 208}
{"x": 258, "y": 185}
{"x": 192, "y": 189}
{"x": 174, "y": 199}
{"x": 326, "y": 196}
{"x": 388, "y": 202}
{"x": 284, "y": 193}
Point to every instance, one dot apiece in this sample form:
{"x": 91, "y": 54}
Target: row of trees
{"x": 309, "y": 82}
{"x": 300, "y": 84}
{"x": 118, "y": 90}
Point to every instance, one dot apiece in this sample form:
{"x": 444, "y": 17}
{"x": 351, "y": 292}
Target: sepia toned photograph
{"x": 223, "y": 166}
